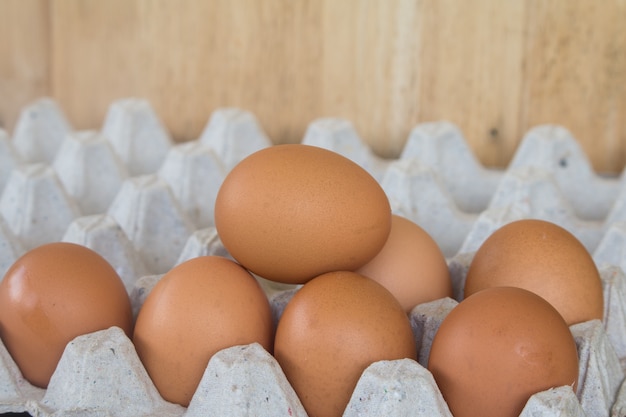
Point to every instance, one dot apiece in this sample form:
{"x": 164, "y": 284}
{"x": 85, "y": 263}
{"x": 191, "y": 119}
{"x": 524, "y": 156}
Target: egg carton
{"x": 145, "y": 203}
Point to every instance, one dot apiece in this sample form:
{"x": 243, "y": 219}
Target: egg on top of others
{"x": 53, "y": 294}
{"x": 544, "y": 258}
{"x": 410, "y": 265}
{"x": 291, "y": 212}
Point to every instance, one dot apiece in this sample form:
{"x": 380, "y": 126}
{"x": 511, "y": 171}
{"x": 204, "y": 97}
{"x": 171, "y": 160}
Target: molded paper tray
{"x": 128, "y": 183}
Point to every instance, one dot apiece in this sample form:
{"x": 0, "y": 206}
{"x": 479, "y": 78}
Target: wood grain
{"x": 575, "y": 74}
{"x": 494, "y": 68}
{"x": 24, "y": 56}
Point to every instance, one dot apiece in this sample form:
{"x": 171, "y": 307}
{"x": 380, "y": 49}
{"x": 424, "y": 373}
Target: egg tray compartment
{"x": 100, "y": 375}
{"x": 149, "y": 222}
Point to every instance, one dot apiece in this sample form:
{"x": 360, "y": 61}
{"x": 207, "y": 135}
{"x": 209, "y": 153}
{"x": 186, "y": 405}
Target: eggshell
{"x": 498, "y": 347}
{"x": 291, "y": 212}
{"x": 410, "y": 265}
{"x": 333, "y": 328}
{"x": 51, "y": 295}
{"x": 199, "y": 307}
{"x": 544, "y": 258}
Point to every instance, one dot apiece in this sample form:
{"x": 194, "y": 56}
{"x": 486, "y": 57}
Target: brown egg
{"x": 333, "y": 328}
{"x": 497, "y": 348}
{"x": 410, "y": 265}
{"x": 544, "y": 258}
{"x": 51, "y": 295}
{"x": 291, "y": 212}
{"x": 199, "y": 307}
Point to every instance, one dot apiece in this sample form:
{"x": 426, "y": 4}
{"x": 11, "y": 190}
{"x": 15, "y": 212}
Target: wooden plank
{"x": 472, "y": 72}
{"x": 575, "y": 74}
{"x": 96, "y": 57}
{"x": 494, "y": 68}
{"x": 24, "y": 47}
{"x": 188, "y": 58}
{"x": 384, "y": 65}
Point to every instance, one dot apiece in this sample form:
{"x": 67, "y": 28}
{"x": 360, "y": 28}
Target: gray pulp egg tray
{"x": 130, "y": 184}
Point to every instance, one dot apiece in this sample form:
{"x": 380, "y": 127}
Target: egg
{"x": 199, "y": 307}
{"x": 291, "y": 212}
{"x": 410, "y": 265}
{"x": 498, "y": 347}
{"x": 52, "y": 294}
{"x": 334, "y": 327}
{"x": 544, "y": 258}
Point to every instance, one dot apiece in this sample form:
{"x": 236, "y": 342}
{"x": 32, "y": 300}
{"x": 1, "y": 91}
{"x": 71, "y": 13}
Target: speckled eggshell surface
{"x": 333, "y": 328}
{"x": 199, "y": 307}
{"x": 544, "y": 258}
{"x": 52, "y": 294}
{"x": 498, "y": 347}
{"x": 291, "y": 212}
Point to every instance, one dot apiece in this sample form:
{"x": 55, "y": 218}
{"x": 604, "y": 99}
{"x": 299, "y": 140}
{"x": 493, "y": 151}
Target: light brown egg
{"x": 497, "y": 348}
{"x": 334, "y": 327}
{"x": 544, "y": 258}
{"x": 410, "y": 265}
{"x": 201, "y": 306}
{"x": 291, "y": 212}
{"x": 51, "y": 295}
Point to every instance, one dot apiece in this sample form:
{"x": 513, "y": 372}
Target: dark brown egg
{"x": 291, "y": 212}
{"x": 333, "y": 328}
{"x": 51, "y": 295}
{"x": 497, "y": 348}
{"x": 198, "y": 308}
{"x": 544, "y": 258}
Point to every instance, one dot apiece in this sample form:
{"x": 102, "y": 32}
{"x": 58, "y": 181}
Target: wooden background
{"x": 493, "y": 67}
